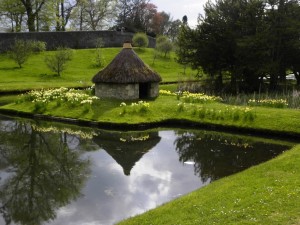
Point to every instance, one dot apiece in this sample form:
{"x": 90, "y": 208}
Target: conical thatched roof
{"x": 126, "y": 67}
{"x": 127, "y": 153}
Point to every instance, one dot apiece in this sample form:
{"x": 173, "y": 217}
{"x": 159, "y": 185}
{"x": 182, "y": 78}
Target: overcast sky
{"x": 179, "y": 8}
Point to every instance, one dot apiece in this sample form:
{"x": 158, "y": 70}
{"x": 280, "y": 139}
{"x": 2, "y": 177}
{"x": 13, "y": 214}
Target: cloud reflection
{"x": 156, "y": 178}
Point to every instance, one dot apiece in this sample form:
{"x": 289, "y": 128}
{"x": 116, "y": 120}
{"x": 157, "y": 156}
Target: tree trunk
{"x": 63, "y": 28}
{"x": 219, "y": 82}
{"x": 273, "y": 82}
{"x": 30, "y": 22}
{"x": 233, "y": 84}
{"x": 57, "y": 18}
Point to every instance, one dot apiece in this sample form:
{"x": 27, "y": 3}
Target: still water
{"x": 53, "y": 173}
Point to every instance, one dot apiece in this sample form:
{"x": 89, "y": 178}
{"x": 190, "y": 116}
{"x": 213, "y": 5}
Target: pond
{"x": 54, "y": 173}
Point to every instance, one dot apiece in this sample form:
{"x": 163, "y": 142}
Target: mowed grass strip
{"x": 265, "y": 194}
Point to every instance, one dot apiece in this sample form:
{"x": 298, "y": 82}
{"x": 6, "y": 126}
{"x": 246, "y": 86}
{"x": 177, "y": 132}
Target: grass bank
{"x": 265, "y": 194}
{"x": 169, "y": 108}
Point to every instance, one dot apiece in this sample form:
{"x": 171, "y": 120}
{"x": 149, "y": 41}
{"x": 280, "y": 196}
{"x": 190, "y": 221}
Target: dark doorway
{"x": 144, "y": 90}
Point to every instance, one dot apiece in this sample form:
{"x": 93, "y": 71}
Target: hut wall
{"x": 118, "y": 91}
{"x": 154, "y": 90}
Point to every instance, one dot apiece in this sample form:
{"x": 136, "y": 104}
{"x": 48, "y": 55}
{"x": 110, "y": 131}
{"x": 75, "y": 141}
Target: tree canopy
{"x": 62, "y": 15}
{"x": 245, "y": 40}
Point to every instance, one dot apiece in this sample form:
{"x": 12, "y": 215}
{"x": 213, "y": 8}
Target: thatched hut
{"x": 127, "y": 77}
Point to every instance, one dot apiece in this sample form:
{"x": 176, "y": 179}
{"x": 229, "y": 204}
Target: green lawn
{"x": 35, "y": 75}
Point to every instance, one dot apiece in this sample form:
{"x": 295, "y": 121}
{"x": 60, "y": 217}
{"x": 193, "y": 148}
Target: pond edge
{"x": 167, "y": 123}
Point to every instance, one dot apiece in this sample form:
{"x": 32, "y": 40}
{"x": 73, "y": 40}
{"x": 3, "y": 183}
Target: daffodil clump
{"x": 274, "y": 103}
{"x": 166, "y": 93}
{"x": 135, "y": 107}
{"x": 188, "y": 97}
{"x": 233, "y": 113}
{"x": 59, "y": 95}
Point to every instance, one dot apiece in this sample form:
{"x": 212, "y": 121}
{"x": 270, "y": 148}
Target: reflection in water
{"x": 127, "y": 149}
{"x": 43, "y": 173}
{"x": 44, "y": 169}
{"x": 217, "y": 155}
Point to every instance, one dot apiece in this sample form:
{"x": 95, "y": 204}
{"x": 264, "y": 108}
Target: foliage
{"x": 37, "y": 46}
{"x": 20, "y": 51}
{"x": 45, "y": 173}
{"x": 93, "y": 15}
{"x": 140, "y": 40}
{"x": 142, "y": 16}
{"x": 99, "y": 58}
{"x": 57, "y": 61}
{"x": 166, "y": 92}
{"x": 276, "y": 103}
{"x": 278, "y": 100}
{"x": 164, "y": 45}
{"x": 61, "y": 95}
{"x": 188, "y": 97}
{"x": 238, "y": 40}
{"x": 139, "y": 107}
{"x": 14, "y": 11}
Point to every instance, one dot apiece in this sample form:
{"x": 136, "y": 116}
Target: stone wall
{"x": 154, "y": 90}
{"x": 124, "y": 91}
{"x": 118, "y": 91}
{"x": 71, "y": 39}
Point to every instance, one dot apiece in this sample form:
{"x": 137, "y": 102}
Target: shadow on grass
{"x": 45, "y": 76}
{"x": 9, "y": 68}
{"x": 104, "y": 105}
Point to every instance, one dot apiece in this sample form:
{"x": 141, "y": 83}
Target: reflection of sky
{"x": 110, "y": 196}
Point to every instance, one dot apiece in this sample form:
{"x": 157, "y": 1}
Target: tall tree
{"x": 161, "y": 23}
{"x": 173, "y": 31}
{"x": 14, "y": 11}
{"x": 32, "y": 7}
{"x": 93, "y": 15}
{"x": 63, "y": 12}
{"x": 131, "y": 14}
{"x": 246, "y": 39}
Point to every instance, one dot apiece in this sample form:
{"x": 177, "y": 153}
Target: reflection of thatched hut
{"x": 124, "y": 149}
{"x": 126, "y": 77}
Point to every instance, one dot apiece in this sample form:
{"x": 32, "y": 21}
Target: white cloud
{"x": 190, "y": 8}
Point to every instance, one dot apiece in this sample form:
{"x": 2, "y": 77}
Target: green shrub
{"x": 140, "y": 40}
{"x": 57, "y": 62}
{"x": 20, "y": 52}
{"x": 37, "y": 46}
{"x": 99, "y": 60}
{"x": 164, "y": 45}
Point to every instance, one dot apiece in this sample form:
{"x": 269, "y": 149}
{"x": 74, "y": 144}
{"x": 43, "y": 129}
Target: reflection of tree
{"x": 44, "y": 173}
{"x": 127, "y": 148}
{"x": 216, "y": 155}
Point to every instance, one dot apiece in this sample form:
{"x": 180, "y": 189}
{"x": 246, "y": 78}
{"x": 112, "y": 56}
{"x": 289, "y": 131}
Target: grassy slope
{"x": 264, "y": 194}
{"x": 34, "y": 74}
